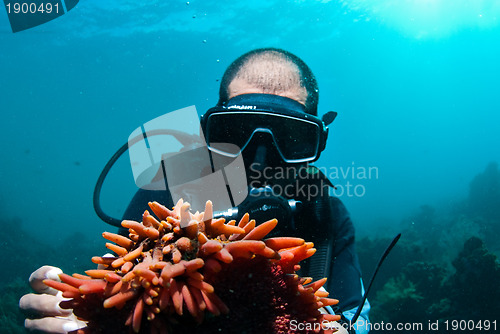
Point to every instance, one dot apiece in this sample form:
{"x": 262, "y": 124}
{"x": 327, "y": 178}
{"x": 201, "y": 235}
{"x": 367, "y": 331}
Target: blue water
{"x": 415, "y": 84}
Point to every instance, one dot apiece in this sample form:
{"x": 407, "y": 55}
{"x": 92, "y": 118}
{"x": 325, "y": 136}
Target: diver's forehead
{"x": 240, "y": 86}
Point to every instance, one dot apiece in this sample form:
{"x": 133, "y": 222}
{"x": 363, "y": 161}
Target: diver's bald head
{"x": 268, "y": 73}
{"x": 271, "y": 71}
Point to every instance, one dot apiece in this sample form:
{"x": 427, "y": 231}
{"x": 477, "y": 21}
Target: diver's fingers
{"x": 45, "y": 272}
{"x": 53, "y": 325}
{"x": 338, "y": 328}
{"x": 42, "y": 305}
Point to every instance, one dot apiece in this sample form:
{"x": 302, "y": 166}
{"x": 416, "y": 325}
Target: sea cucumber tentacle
{"x": 182, "y": 272}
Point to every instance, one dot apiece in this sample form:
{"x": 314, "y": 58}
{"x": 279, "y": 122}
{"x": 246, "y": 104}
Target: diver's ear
{"x": 329, "y": 117}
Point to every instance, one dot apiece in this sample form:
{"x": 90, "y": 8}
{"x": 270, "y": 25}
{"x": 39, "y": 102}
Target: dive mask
{"x": 297, "y": 135}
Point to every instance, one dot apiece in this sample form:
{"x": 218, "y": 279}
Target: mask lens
{"x": 297, "y": 139}
{"x": 222, "y": 128}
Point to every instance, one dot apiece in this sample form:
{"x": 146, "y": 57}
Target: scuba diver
{"x": 267, "y": 108}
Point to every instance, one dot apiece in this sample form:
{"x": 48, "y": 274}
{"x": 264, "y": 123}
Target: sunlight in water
{"x": 429, "y": 18}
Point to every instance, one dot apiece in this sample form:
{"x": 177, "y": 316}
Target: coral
{"x": 433, "y": 293}
{"x": 417, "y": 286}
{"x": 426, "y": 276}
{"x": 476, "y": 277}
{"x": 483, "y": 205}
{"x": 11, "y": 320}
{"x": 186, "y": 272}
{"x": 484, "y": 193}
{"x": 395, "y": 299}
{"x": 444, "y": 267}
{"x": 369, "y": 251}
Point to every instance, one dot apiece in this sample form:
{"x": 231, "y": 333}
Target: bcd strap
{"x": 315, "y": 221}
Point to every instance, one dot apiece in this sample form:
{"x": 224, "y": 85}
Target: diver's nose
{"x": 263, "y": 151}
{"x": 259, "y": 160}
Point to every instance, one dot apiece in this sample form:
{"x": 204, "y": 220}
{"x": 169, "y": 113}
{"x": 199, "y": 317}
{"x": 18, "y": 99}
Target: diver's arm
{"x": 344, "y": 282}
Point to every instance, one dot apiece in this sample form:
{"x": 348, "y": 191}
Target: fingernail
{"x": 70, "y": 326}
{"x": 53, "y": 274}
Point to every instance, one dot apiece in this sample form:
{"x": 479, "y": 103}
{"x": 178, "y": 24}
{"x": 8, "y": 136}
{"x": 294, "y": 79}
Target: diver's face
{"x": 262, "y": 152}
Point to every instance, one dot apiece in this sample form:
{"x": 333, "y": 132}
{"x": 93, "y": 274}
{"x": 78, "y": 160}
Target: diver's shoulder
{"x": 339, "y": 210}
{"x": 336, "y": 202}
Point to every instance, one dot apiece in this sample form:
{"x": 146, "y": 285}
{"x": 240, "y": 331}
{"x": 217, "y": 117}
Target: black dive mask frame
{"x": 274, "y": 113}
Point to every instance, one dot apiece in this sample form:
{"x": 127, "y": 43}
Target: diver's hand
{"x": 337, "y": 328}
{"x": 330, "y": 327}
{"x": 42, "y": 307}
